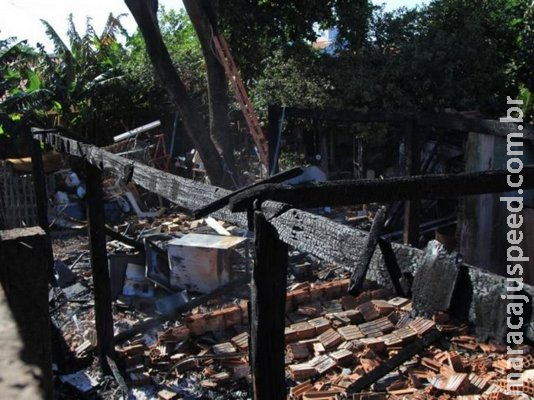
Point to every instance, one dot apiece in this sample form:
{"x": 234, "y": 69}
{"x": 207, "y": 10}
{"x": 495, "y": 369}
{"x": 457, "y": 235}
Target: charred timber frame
{"x": 305, "y": 231}
{"x": 451, "y": 121}
{"x": 343, "y": 193}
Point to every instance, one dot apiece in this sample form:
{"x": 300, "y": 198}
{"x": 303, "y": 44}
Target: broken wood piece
{"x": 387, "y": 190}
{"x": 267, "y": 314}
{"x": 392, "y": 266}
{"x": 224, "y": 201}
{"x": 99, "y": 264}
{"x": 118, "y": 377}
{"x": 389, "y": 365}
{"x": 435, "y": 280}
{"x": 213, "y": 224}
{"x": 362, "y": 263}
{"x": 112, "y": 233}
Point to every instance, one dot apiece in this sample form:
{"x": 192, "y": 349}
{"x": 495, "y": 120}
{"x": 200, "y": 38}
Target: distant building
{"x": 326, "y": 40}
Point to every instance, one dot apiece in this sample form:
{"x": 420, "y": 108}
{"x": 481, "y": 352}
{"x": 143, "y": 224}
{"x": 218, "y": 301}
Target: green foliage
{"x": 256, "y": 29}
{"x": 184, "y": 49}
{"x": 456, "y": 54}
{"x": 460, "y": 54}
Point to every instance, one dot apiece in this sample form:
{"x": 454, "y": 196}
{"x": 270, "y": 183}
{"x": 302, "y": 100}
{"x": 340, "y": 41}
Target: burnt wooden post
{"x": 267, "y": 316}
{"x": 362, "y": 263}
{"x": 39, "y": 184}
{"x": 273, "y": 127}
{"x": 99, "y": 264}
{"x": 24, "y": 278}
{"x": 361, "y": 170}
{"x": 412, "y": 164}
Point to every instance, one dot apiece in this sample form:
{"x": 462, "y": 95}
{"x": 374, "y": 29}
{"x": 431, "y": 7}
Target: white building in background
{"x": 326, "y": 40}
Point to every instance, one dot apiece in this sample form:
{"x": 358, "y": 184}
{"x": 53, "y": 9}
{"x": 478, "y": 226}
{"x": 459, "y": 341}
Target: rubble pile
{"x": 333, "y": 340}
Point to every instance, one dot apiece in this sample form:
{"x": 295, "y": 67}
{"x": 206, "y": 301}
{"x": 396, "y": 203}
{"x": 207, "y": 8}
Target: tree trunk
{"x": 204, "y": 16}
{"x": 159, "y": 56}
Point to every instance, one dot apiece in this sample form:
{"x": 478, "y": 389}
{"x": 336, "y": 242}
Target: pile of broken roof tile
{"x": 333, "y": 340}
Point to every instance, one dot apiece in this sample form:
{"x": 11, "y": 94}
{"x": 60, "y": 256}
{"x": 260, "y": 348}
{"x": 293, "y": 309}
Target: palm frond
{"x": 113, "y": 26}
{"x": 59, "y": 44}
{"x": 74, "y": 37}
{"x": 27, "y": 100}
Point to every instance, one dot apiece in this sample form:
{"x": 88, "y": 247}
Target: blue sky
{"x": 21, "y": 18}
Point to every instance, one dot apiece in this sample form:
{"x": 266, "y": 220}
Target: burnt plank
{"x": 112, "y": 233}
{"x": 223, "y": 201}
{"x": 392, "y": 266}
{"x": 99, "y": 265}
{"x": 435, "y": 280}
{"x": 320, "y": 236}
{"x": 451, "y": 121}
{"x": 186, "y": 193}
{"x": 267, "y": 317}
{"x": 389, "y": 365}
{"x": 362, "y": 263}
{"x": 350, "y": 192}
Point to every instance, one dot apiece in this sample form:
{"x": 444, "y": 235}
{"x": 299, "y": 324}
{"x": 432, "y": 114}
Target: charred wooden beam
{"x": 267, "y": 317}
{"x": 273, "y": 127}
{"x": 342, "y": 193}
{"x": 99, "y": 265}
{"x": 362, "y": 263}
{"x": 387, "y": 366}
{"x": 392, "y": 266}
{"x": 223, "y": 201}
{"x": 112, "y": 233}
{"x": 450, "y": 121}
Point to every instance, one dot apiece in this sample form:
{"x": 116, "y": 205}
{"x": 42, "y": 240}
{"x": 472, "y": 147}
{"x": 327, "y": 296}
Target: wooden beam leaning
{"x": 362, "y": 263}
{"x": 350, "y": 192}
{"x": 392, "y": 266}
{"x": 223, "y": 201}
{"x": 99, "y": 265}
{"x": 389, "y": 365}
{"x": 112, "y": 233}
{"x": 267, "y": 316}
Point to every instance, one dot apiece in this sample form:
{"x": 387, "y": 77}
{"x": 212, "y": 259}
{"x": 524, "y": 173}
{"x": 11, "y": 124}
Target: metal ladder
{"x": 232, "y": 73}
